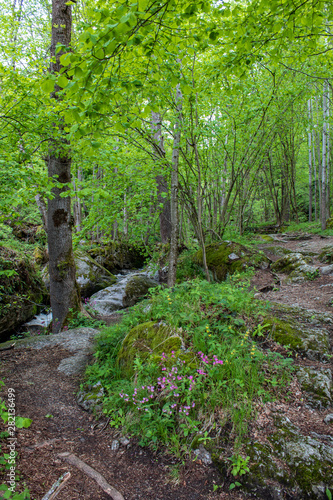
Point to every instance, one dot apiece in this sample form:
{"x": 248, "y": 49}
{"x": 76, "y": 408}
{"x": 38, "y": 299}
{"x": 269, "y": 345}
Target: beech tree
{"x": 63, "y": 290}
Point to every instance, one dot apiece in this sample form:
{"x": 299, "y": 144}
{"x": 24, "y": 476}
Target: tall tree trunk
{"x": 63, "y": 290}
{"x": 163, "y": 198}
{"x": 310, "y": 161}
{"x": 323, "y": 211}
{"x": 174, "y": 191}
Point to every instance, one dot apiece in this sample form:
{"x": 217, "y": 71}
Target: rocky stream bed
{"x": 290, "y": 443}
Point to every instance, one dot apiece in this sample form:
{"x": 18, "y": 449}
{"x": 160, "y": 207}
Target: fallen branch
{"x": 57, "y": 487}
{"x": 89, "y": 471}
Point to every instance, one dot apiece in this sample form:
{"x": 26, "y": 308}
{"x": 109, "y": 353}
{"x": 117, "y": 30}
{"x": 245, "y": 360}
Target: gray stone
{"x": 318, "y": 386}
{"x": 329, "y": 418}
{"x": 297, "y": 266}
{"x": 203, "y": 455}
{"x": 326, "y": 270}
{"x": 115, "y": 445}
{"x": 123, "y": 294}
{"x": 310, "y": 461}
{"x": 91, "y": 397}
{"x": 124, "y": 441}
{"x": 233, "y": 256}
{"x": 74, "y": 365}
{"x": 305, "y": 331}
{"x": 91, "y": 276}
{"x": 78, "y": 341}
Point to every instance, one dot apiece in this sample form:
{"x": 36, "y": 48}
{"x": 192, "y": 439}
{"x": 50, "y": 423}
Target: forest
{"x": 165, "y": 221}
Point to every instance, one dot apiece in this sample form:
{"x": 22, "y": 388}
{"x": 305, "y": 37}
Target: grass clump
{"x": 208, "y": 380}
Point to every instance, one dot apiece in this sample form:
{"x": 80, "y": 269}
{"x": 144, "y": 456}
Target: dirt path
{"x": 60, "y": 425}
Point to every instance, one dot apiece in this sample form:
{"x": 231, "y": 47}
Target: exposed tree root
{"x": 89, "y": 471}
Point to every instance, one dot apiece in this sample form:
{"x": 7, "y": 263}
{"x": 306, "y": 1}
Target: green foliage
{"x": 78, "y": 319}
{"x": 218, "y": 368}
{"x": 6, "y": 460}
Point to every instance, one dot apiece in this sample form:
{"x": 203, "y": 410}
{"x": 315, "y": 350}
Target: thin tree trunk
{"x": 310, "y": 161}
{"x": 42, "y": 209}
{"x": 163, "y": 197}
{"x": 324, "y": 163}
{"x": 63, "y": 290}
{"x": 174, "y": 192}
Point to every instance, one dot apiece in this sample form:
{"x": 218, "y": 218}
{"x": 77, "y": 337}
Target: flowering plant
{"x": 173, "y": 394}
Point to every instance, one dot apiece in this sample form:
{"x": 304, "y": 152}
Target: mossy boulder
{"x": 303, "y": 331}
{"x": 21, "y": 289}
{"x": 227, "y": 257}
{"x": 115, "y": 255}
{"x": 136, "y": 288}
{"x": 288, "y": 465}
{"x": 268, "y": 475}
{"x": 90, "y": 275}
{"x": 317, "y": 383}
{"x": 326, "y": 255}
{"x": 310, "y": 461}
{"x": 145, "y": 340}
{"x": 297, "y": 266}
{"x": 126, "y": 292}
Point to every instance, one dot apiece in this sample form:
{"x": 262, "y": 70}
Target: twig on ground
{"x": 57, "y": 487}
{"x": 89, "y": 471}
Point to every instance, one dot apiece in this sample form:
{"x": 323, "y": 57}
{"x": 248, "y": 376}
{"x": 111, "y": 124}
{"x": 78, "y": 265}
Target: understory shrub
{"x": 210, "y": 383}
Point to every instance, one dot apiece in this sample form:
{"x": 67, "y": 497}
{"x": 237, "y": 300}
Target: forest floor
{"x": 59, "y": 425}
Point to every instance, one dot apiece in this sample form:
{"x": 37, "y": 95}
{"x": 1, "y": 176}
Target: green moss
{"x": 309, "y": 460}
{"x": 285, "y": 333}
{"x": 145, "y": 340}
{"x": 265, "y": 237}
{"x": 219, "y": 261}
{"x": 326, "y": 255}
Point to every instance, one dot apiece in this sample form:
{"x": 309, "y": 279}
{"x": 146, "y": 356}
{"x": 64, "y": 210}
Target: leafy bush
{"x": 209, "y": 383}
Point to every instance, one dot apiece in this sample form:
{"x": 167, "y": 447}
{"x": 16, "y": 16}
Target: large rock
{"x": 302, "y": 330}
{"x": 289, "y": 465}
{"x": 326, "y": 255}
{"x": 145, "y": 340}
{"x": 317, "y": 383}
{"x": 310, "y": 460}
{"x": 123, "y": 294}
{"x": 90, "y": 275}
{"x": 21, "y": 289}
{"x": 297, "y": 266}
{"x": 137, "y": 287}
{"x": 77, "y": 341}
{"x": 227, "y": 257}
{"x": 115, "y": 256}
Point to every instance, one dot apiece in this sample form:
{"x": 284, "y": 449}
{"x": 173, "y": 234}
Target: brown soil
{"x": 59, "y": 425}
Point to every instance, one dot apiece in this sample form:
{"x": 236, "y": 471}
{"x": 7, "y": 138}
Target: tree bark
{"x": 174, "y": 192}
{"x": 163, "y": 198}
{"x": 310, "y": 161}
{"x": 323, "y": 211}
{"x": 63, "y": 290}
